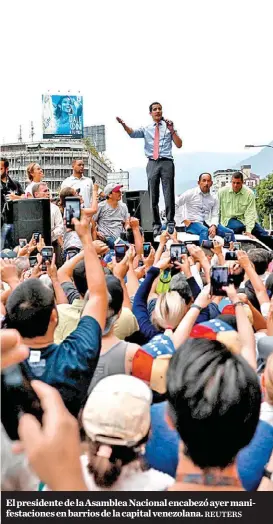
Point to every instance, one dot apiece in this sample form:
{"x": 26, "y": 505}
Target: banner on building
{"x": 62, "y": 116}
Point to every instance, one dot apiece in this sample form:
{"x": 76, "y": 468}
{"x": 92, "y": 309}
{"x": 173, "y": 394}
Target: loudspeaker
{"x": 32, "y": 215}
{"x": 138, "y": 203}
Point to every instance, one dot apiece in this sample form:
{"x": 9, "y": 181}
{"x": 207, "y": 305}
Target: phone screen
{"x": 32, "y": 261}
{"x": 120, "y": 251}
{"x": 18, "y": 397}
{"x": 22, "y": 242}
{"x": 176, "y": 251}
{"x": 146, "y": 249}
{"x": 47, "y": 254}
{"x": 231, "y": 255}
{"x": 72, "y": 210}
{"x": 219, "y": 278}
{"x": 237, "y": 245}
{"x": 36, "y": 236}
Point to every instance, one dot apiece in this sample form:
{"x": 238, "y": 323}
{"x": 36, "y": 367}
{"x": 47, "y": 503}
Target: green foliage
{"x": 264, "y": 199}
{"x": 90, "y": 147}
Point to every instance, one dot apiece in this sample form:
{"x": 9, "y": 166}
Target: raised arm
{"x": 137, "y": 133}
{"x": 97, "y": 304}
{"x": 258, "y": 285}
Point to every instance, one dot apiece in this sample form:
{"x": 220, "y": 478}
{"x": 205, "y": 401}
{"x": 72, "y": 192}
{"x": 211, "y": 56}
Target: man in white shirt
{"x": 198, "y": 209}
{"x": 80, "y": 182}
{"x": 41, "y": 190}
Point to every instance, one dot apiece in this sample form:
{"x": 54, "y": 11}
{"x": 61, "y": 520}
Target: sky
{"x": 208, "y": 62}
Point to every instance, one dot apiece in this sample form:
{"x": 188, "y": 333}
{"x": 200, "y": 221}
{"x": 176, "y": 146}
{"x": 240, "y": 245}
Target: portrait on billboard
{"x": 62, "y": 116}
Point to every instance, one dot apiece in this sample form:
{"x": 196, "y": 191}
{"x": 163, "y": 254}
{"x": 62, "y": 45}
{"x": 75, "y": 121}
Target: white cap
{"x": 117, "y": 411}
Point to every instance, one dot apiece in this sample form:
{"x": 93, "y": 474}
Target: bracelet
{"x": 196, "y": 306}
{"x": 238, "y": 304}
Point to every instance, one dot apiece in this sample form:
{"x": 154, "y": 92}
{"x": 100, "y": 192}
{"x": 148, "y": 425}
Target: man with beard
{"x": 199, "y": 210}
{"x": 10, "y": 190}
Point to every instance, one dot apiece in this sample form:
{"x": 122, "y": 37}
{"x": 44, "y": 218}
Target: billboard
{"x": 62, "y": 116}
{"x": 97, "y": 137}
{"x": 120, "y": 177}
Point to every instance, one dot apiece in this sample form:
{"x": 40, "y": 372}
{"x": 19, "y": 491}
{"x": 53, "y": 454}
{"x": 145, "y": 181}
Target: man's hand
{"x": 164, "y": 237}
{"x": 53, "y": 449}
{"x": 169, "y": 125}
{"x": 52, "y": 269}
{"x": 82, "y": 227}
{"x": 243, "y": 260}
{"x": 140, "y": 272}
{"x": 100, "y": 247}
{"x": 120, "y": 121}
{"x": 37, "y": 270}
{"x": 217, "y": 248}
{"x": 8, "y": 271}
{"x": 100, "y": 236}
{"x": 249, "y": 235}
{"x": 196, "y": 252}
{"x": 12, "y": 349}
{"x": 187, "y": 222}
{"x": 231, "y": 293}
{"x": 212, "y": 231}
{"x": 41, "y": 243}
{"x": 120, "y": 269}
{"x": 204, "y": 298}
{"x": 149, "y": 260}
{"x": 163, "y": 263}
{"x": 133, "y": 223}
{"x": 184, "y": 266}
{"x": 131, "y": 253}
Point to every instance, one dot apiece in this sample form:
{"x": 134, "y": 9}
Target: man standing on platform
{"x": 158, "y": 139}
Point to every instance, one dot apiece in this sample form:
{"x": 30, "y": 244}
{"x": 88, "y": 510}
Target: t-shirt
{"x": 29, "y": 189}
{"x": 84, "y": 184}
{"x": 69, "y": 366}
{"x": 130, "y": 479}
{"x": 111, "y": 220}
{"x": 69, "y": 316}
{"x": 71, "y": 239}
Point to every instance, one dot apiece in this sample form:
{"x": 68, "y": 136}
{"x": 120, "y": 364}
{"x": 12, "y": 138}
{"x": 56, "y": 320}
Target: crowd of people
{"x": 138, "y": 367}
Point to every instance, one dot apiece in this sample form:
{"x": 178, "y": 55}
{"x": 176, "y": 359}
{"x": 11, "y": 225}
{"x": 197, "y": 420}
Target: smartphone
{"x": 72, "y": 210}
{"x": 18, "y": 397}
{"x": 219, "y": 278}
{"x": 71, "y": 253}
{"x": 22, "y": 242}
{"x": 36, "y": 236}
{"x": 176, "y": 252}
{"x": 231, "y": 255}
{"x": 227, "y": 239}
{"x": 47, "y": 254}
{"x": 146, "y": 248}
{"x": 237, "y": 245}
{"x": 78, "y": 191}
{"x": 120, "y": 250}
{"x": 32, "y": 261}
{"x": 207, "y": 243}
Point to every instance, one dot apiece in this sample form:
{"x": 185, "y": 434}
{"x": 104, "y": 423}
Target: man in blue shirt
{"x": 31, "y": 310}
{"x": 158, "y": 139}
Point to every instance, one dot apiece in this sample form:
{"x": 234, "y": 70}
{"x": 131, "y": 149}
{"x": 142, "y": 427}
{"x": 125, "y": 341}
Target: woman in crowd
{"x": 35, "y": 175}
{"x": 116, "y": 420}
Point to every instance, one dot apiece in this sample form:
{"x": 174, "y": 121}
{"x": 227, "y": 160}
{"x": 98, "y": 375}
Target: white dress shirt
{"x": 196, "y": 206}
{"x": 57, "y": 225}
{"x": 85, "y": 185}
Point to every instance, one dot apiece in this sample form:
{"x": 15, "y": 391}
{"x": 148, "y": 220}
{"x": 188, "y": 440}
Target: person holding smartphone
{"x": 158, "y": 139}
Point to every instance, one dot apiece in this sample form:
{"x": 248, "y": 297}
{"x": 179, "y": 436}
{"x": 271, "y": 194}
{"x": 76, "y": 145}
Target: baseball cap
{"x": 112, "y": 188}
{"x": 117, "y": 411}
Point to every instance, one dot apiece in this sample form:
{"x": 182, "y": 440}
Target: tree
{"x": 264, "y": 199}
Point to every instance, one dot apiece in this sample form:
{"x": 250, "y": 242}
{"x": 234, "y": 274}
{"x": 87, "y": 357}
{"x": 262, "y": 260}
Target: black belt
{"x": 160, "y": 158}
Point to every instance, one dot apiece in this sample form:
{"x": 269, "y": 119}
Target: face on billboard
{"x": 62, "y": 116}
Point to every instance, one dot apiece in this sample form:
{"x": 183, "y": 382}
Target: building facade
{"x": 222, "y": 178}
{"x": 55, "y": 158}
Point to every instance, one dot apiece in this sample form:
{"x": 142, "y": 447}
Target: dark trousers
{"x": 258, "y": 232}
{"x": 161, "y": 169}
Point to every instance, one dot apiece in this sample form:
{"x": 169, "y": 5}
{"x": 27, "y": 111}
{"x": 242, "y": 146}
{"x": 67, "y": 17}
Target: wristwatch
{"x": 268, "y": 474}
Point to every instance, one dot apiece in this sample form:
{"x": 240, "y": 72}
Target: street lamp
{"x": 251, "y": 145}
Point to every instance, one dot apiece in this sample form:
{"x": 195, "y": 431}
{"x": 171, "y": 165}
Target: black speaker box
{"x": 138, "y": 203}
{"x": 32, "y": 215}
